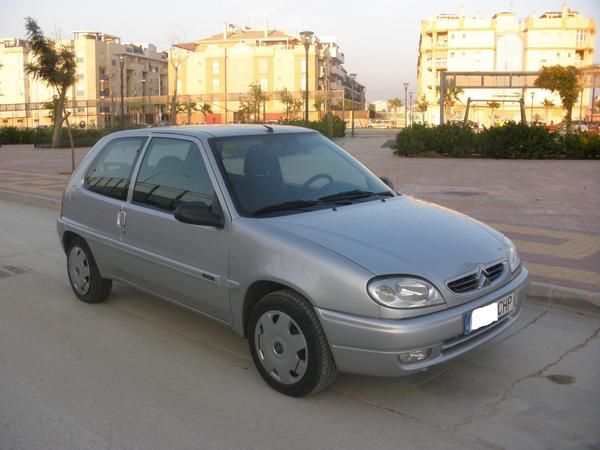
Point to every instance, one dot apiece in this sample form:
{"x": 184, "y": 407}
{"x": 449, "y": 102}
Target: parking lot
{"x": 136, "y": 372}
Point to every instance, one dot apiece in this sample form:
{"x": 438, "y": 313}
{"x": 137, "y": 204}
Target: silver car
{"x": 281, "y": 235}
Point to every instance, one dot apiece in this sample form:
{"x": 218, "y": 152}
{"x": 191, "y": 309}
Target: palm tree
{"x": 493, "y": 105}
{"x": 205, "y": 109}
{"x": 548, "y": 103}
{"x": 450, "y": 99}
{"x": 395, "y": 103}
{"x": 56, "y": 65}
{"x": 422, "y": 107}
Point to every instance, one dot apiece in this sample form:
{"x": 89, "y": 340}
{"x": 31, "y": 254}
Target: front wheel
{"x": 288, "y": 345}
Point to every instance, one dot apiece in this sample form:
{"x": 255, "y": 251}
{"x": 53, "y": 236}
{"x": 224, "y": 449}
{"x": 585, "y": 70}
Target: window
{"x": 263, "y": 65}
{"x": 80, "y": 76}
{"x": 80, "y": 90}
{"x": 216, "y": 85}
{"x": 264, "y": 84}
{"x": 266, "y": 170}
{"x": 172, "y": 173}
{"x": 110, "y": 174}
{"x": 303, "y": 66}
{"x": 216, "y": 67}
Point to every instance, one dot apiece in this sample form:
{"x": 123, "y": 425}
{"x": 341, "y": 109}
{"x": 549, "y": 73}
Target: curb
{"x": 575, "y": 300}
{"x": 30, "y": 199}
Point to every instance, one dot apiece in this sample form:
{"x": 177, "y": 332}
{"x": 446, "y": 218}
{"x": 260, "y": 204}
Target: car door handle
{"x": 121, "y": 219}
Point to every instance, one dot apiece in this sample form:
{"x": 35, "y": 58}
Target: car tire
{"x": 288, "y": 345}
{"x": 84, "y": 276}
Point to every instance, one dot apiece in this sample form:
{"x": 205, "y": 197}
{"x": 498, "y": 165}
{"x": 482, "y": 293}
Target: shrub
{"x": 512, "y": 141}
{"x": 14, "y": 135}
{"x": 322, "y": 126}
{"x": 444, "y": 140}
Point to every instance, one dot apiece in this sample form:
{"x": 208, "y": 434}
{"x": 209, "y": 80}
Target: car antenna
{"x": 269, "y": 129}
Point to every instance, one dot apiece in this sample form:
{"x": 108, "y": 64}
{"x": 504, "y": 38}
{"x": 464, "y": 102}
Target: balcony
{"x": 336, "y": 53}
{"x": 336, "y": 71}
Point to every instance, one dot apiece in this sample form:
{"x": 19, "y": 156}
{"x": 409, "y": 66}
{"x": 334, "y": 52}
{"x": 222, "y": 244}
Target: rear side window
{"x": 110, "y": 174}
{"x": 172, "y": 173}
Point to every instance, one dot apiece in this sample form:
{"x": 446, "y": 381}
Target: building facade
{"x": 457, "y": 43}
{"x": 95, "y": 98}
{"x": 218, "y": 70}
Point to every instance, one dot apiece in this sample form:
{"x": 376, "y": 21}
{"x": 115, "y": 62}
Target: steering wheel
{"x": 311, "y": 180}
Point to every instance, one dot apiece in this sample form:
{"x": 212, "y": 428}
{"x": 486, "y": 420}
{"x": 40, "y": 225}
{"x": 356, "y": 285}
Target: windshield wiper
{"x": 353, "y": 194}
{"x": 286, "y": 206}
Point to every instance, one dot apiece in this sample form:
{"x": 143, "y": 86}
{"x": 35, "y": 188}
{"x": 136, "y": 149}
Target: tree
{"x": 563, "y": 80}
{"x": 186, "y": 108}
{"x": 395, "y": 103}
{"x": 56, "y": 66}
{"x": 547, "y": 103}
{"x": 493, "y": 105}
{"x": 318, "y": 103}
{"x": 287, "y": 99}
{"x": 176, "y": 57}
{"x": 256, "y": 98}
{"x": 450, "y": 99}
{"x": 422, "y": 107}
{"x": 205, "y": 109}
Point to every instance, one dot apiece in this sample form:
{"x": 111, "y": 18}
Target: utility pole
{"x": 122, "y": 109}
{"x": 405, "y": 110}
{"x": 306, "y": 39}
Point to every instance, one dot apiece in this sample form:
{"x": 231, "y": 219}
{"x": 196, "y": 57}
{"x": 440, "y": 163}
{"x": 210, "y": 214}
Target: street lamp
{"x": 405, "y": 110}
{"x": 532, "y": 95}
{"x": 306, "y": 40}
{"x": 143, "y": 102}
{"x": 122, "y": 109}
{"x": 410, "y": 107}
{"x": 156, "y": 71}
{"x": 353, "y": 78}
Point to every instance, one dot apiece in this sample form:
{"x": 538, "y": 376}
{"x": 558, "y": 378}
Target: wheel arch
{"x": 256, "y": 291}
{"x": 67, "y": 238}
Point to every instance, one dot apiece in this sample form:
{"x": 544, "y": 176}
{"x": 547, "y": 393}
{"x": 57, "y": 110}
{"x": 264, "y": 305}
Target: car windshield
{"x": 286, "y": 173}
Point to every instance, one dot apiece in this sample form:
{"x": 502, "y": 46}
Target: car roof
{"x": 217, "y": 131}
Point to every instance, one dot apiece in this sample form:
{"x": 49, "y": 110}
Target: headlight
{"x": 513, "y": 256}
{"x": 404, "y": 292}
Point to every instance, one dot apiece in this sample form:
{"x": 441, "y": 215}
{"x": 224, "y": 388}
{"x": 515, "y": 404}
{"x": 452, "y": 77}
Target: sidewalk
{"x": 550, "y": 209}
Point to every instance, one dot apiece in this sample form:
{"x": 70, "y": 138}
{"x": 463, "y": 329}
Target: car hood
{"x": 400, "y": 235}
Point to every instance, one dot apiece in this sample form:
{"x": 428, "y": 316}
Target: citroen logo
{"x": 482, "y": 277}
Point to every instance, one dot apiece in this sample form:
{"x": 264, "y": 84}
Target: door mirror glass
{"x": 389, "y": 182}
{"x": 198, "y": 213}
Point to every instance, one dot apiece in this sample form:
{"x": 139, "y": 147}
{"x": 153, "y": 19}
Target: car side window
{"x": 172, "y": 173}
{"x": 110, "y": 174}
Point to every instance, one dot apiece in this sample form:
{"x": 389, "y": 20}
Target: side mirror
{"x": 197, "y": 213}
{"x": 389, "y": 182}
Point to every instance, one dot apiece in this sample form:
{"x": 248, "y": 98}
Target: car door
{"x": 94, "y": 206}
{"x": 186, "y": 263}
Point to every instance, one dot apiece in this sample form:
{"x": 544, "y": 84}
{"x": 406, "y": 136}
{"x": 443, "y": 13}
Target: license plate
{"x": 481, "y": 317}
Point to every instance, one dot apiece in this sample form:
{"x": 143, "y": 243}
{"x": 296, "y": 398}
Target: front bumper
{"x": 368, "y": 346}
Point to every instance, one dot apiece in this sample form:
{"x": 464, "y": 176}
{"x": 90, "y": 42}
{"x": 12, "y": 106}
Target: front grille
{"x": 472, "y": 281}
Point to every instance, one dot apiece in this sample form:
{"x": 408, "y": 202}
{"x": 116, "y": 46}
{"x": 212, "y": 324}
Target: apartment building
{"x": 503, "y": 43}
{"x": 94, "y": 99}
{"x": 219, "y": 69}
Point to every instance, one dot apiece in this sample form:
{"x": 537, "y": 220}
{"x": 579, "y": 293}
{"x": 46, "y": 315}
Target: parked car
{"x": 381, "y": 123}
{"x": 269, "y": 230}
{"x": 579, "y": 125}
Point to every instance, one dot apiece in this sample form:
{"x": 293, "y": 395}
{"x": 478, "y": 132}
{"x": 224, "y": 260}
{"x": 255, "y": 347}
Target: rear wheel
{"x": 289, "y": 346}
{"x": 84, "y": 276}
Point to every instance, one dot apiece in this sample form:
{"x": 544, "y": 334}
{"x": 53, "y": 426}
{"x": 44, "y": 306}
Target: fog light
{"x": 414, "y": 356}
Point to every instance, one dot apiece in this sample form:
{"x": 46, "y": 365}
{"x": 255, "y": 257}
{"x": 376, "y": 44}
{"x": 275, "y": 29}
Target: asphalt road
{"x": 136, "y": 372}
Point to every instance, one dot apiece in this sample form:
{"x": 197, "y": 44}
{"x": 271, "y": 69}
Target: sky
{"x": 378, "y": 37}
